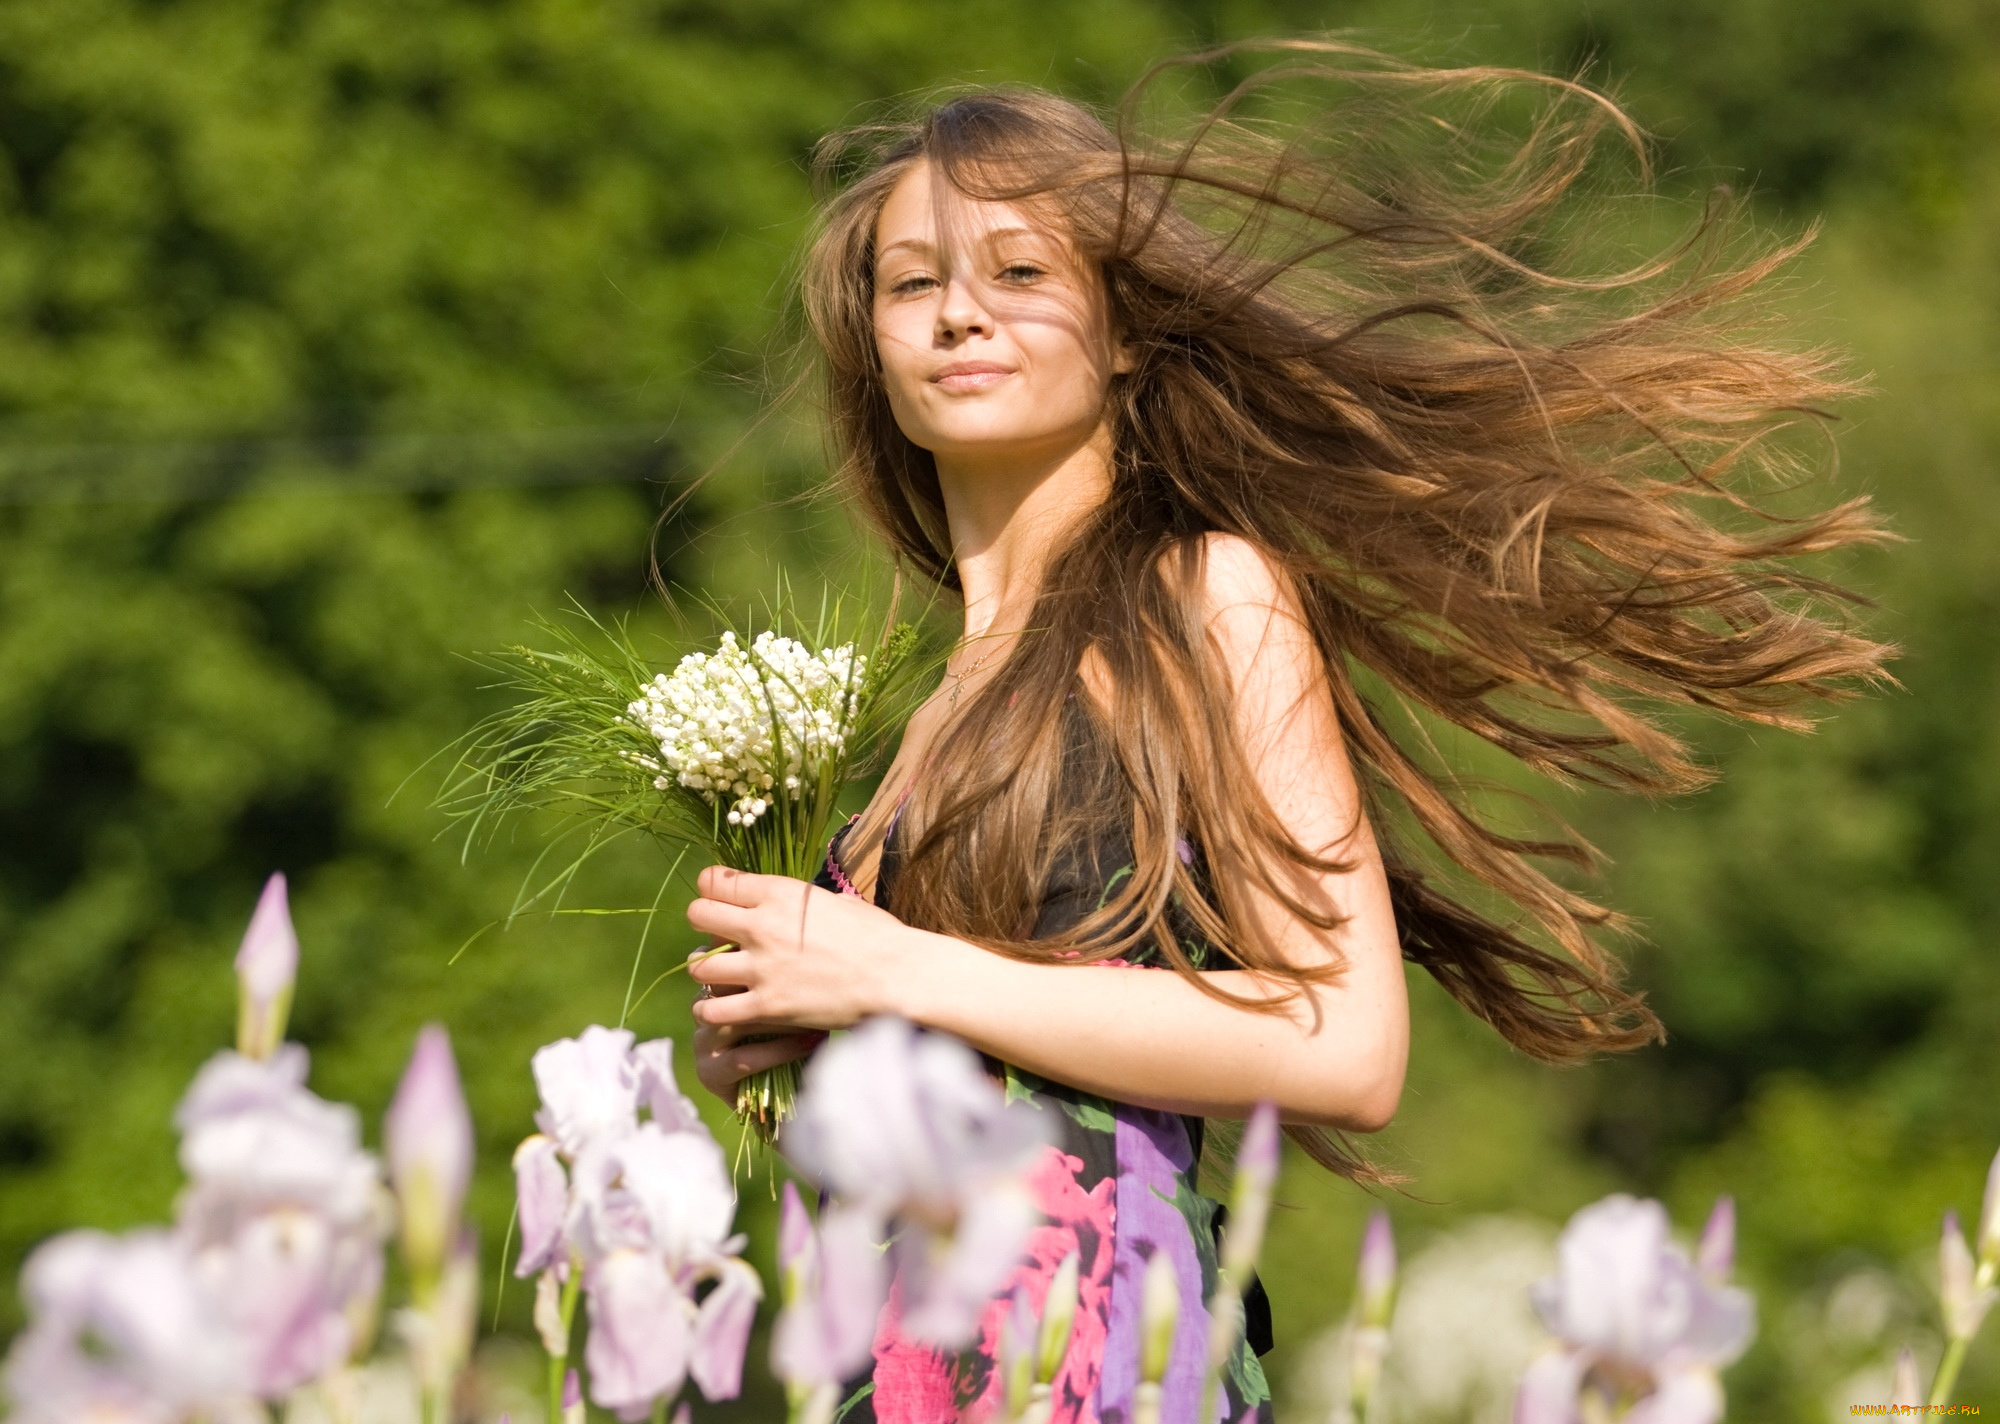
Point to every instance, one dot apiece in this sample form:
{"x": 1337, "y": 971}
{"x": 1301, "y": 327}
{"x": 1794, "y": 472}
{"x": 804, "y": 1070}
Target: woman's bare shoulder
{"x": 1240, "y": 576}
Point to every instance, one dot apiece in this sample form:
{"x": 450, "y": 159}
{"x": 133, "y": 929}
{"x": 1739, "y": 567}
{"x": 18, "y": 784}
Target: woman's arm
{"x": 1334, "y": 1056}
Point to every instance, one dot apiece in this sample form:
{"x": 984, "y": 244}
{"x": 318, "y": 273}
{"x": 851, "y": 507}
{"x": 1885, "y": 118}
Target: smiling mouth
{"x": 970, "y": 377}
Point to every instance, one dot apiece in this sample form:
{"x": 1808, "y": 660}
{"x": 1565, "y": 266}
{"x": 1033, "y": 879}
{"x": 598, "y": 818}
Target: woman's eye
{"x": 909, "y": 286}
{"x": 1020, "y": 272}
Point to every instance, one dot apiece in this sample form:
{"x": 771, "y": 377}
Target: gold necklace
{"x": 958, "y": 678}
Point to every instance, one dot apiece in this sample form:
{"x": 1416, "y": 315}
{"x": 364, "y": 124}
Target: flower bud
{"x": 1375, "y": 1280}
{"x": 1058, "y": 1315}
{"x": 572, "y": 1399}
{"x": 1989, "y": 1218}
{"x": 1159, "y": 1314}
{"x": 795, "y": 1243}
{"x": 1374, "y": 1304}
{"x": 1908, "y": 1390}
{"x": 1017, "y": 1357}
{"x": 428, "y": 1137}
{"x": 1964, "y": 1304}
{"x": 267, "y": 963}
{"x": 1250, "y": 1199}
{"x": 1715, "y": 1253}
{"x": 549, "y": 1314}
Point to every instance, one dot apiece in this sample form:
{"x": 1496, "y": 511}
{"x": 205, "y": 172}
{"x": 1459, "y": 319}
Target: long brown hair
{"x": 1521, "y": 501}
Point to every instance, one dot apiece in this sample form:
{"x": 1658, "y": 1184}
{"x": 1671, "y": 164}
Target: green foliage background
{"x": 337, "y": 336}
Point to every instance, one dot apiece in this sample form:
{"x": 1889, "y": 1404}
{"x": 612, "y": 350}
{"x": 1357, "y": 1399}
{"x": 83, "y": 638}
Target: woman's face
{"x": 995, "y": 338}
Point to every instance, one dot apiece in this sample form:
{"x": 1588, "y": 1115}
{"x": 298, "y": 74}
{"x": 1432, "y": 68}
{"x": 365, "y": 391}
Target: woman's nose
{"x": 960, "y": 314}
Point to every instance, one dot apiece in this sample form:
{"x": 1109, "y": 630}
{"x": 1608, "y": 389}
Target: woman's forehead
{"x": 926, "y": 214}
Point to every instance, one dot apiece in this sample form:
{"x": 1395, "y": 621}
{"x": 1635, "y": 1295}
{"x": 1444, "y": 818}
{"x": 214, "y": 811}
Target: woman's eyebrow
{"x": 925, "y": 248}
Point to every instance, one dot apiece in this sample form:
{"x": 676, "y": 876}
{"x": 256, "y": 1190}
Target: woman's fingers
{"x": 722, "y": 1060}
{"x": 739, "y": 887}
{"x": 729, "y": 968}
{"x": 756, "y": 1055}
{"x": 720, "y": 918}
{"x": 730, "y": 1010}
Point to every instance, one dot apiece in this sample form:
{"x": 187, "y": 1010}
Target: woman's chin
{"x": 1001, "y": 442}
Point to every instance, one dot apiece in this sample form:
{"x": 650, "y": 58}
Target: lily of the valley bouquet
{"x": 739, "y": 754}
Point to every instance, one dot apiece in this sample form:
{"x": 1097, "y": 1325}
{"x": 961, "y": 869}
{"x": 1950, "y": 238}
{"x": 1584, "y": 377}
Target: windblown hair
{"x": 1545, "y": 508}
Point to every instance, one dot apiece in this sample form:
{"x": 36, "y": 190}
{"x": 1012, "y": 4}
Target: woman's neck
{"x": 1007, "y": 515}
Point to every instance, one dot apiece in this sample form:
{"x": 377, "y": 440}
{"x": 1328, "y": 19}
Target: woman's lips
{"x": 970, "y": 376}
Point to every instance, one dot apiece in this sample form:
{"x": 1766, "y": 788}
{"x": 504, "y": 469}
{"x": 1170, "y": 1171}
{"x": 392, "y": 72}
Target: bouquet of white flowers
{"x": 739, "y": 754}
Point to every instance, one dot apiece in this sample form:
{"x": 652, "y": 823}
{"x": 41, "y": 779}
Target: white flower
{"x": 907, "y": 1128}
{"x": 735, "y": 724}
{"x": 835, "y": 1282}
{"x": 589, "y": 1086}
{"x": 284, "y": 1216}
{"x": 907, "y": 1121}
{"x": 1640, "y": 1327}
{"x": 121, "y": 1330}
{"x": 253, "y": 1134}
{"x": 664, "y": 1192}
{"x": 647, "y": 1208}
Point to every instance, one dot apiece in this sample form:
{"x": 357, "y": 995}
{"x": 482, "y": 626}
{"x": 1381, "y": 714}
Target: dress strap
{"x": 834, "y": 871}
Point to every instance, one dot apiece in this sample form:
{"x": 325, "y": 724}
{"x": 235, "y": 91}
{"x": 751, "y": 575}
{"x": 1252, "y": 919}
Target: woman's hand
{"x": 805, "y": 958}
{"x": 724, "y": 1057}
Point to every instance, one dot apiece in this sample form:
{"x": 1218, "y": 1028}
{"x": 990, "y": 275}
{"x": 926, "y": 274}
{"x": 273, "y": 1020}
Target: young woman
{"x": 1255, "y": 461}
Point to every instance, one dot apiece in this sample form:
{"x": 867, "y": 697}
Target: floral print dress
{"x": 1119, "y": 1186}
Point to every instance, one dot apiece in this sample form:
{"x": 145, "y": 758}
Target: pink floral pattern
{"x": 916, "y": 1384}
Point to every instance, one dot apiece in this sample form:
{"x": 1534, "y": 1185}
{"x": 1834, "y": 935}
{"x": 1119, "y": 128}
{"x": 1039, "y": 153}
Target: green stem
{"x": 638, "y": 958}
{"x": 506, "y": 1248}
{"x": 681, "y": 968}
{"x": 559, "y": 1364}
{"x": 1947, "y": 1371}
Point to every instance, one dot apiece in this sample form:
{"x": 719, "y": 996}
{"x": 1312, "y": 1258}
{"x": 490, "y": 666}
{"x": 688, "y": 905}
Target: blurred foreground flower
{"x": 921, "y": 1148}
{"x": 1905, "y": 1392}
{"x": 640, "y": 1220}
{"x": 1367, "y": 1335}
{"x": 284, "y": 1216}
{"x": 122, "y": 1330}
{"x": 427, "y": 1137}
{"x": 267, "y": 963}
{"x": 834, "y": 1285}
{"x": 1159, "y": 1315}
{"x": 1032, "y": 1347}
{"x": 1642, "y": 1332}
{"x": 271, "y": 1276}
{"x": 1965, "y": 1290}
{"x": 1242, "y": 1241}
